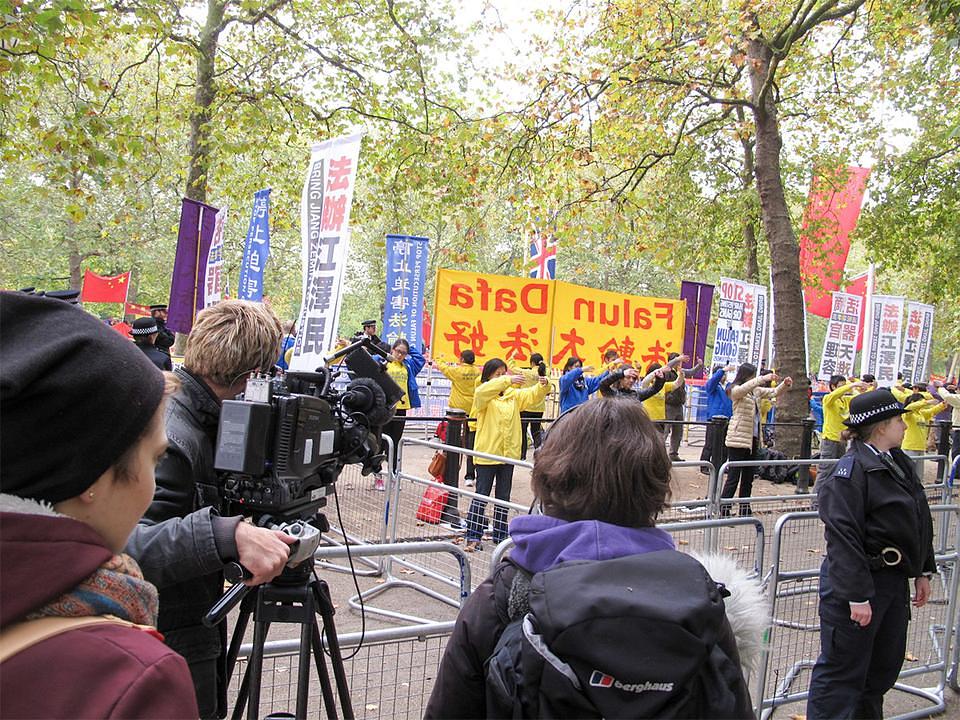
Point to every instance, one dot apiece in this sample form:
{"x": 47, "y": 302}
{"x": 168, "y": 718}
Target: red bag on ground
{"x": 433, "y": 501}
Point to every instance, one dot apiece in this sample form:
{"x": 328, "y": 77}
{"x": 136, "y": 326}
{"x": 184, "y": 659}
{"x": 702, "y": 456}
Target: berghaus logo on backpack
{"x": 602, "y": 680}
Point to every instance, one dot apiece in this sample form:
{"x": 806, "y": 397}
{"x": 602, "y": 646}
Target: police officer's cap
{"x": 368, "y": 323}
{"x": 69, "y": 296}
{"x": 873, "y": 406}
{"x": 161, "y": 306}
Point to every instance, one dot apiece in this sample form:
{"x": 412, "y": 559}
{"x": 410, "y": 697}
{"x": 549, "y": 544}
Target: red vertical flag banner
{"x": 831, "y": 215}
{"x": 98, "y": 288}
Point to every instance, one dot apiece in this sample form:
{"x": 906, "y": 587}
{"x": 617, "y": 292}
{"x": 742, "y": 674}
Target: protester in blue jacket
{"x": 718, "y": 403}
{"x": 575, "y": 387}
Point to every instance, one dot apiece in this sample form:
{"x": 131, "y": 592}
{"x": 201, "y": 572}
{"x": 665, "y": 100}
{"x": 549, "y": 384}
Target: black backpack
{"x": 634, "y": 637}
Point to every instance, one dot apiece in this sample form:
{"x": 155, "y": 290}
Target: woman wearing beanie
{"x": 81, "y": 430}
{"x": 879, "y": 535}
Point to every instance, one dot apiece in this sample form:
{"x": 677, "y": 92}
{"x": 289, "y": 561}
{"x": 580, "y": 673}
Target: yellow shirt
{"x": 655, "y": 406}
{"x": 398, "y": 373}
{"x": 463, "y": 381}
{"x": 836, "y": 409}
{"x": 917, "y": 417}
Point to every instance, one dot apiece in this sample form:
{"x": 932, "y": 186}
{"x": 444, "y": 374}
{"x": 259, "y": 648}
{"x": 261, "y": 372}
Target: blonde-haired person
{"x": 229, "y": 341}
{"x": 743, "y": 431}
{"x": 81, "y": 430}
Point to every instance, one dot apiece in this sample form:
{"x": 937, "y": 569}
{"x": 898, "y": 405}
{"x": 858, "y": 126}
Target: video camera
{"x": 282, "y": 444}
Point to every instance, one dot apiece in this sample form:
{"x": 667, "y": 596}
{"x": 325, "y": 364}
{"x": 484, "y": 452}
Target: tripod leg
{"x": 241, "y": 702}
{"x": 255, "y": 668}
{"x": 318, "y": 658}
{"x": 324, "y": 604}
{"x": 243, "y": 619}
{"x": 303, "y": 673}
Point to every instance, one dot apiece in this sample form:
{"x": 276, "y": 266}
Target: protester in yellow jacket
{"x": 463, "y": 378}
{"x": 918, "y": 413}
{"x": 530, "y": 418}
{"x": 497, "y": 404}
{"x": 836, "y": 409}
{"x": 655, "y": 405}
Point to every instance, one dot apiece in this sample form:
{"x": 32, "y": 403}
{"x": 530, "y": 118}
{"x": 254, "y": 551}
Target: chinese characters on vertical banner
{"x": 512, "y": 318}
{"x": 406, "y": 283}
{"x": 741, "y": 323}
{"x": 213, "y": 283}
{"x": 325, "y": 220}
{"x": 840, "y": 344}
{"x": 883, "y": 353}
{"x": 256, "y": 249}
{"x": 915, "y": 352}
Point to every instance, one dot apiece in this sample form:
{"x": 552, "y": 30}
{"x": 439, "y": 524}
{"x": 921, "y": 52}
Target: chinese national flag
{"x": 97, "y": 288}
{"x": 138, "y": 310}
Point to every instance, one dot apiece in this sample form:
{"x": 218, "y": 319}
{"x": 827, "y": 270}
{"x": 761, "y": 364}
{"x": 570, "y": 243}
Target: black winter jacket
{"x": 460, "y": 689}
{"x": 185, "y": 475}
{"x": 866, "y": 507}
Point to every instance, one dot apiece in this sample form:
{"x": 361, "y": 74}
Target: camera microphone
{"x": 366, "y": 396}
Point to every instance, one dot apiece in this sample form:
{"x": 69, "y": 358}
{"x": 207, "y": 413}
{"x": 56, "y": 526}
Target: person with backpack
{"x": 879, "y": 534}
{"x": 743, "y": 432}
{"x": 594, "y": 613}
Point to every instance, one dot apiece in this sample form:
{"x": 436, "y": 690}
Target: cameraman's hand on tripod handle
{"x": 262, "y": 552}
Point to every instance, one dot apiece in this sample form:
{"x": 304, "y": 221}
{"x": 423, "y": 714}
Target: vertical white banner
{"x": 214, "y": 279}
{"x": 886, "y": 325}
{"x": 915, "y": 351}
{"x": 741, "y": 323}
{"x": 325, "y": 228}
{"x": 843, "y": 329}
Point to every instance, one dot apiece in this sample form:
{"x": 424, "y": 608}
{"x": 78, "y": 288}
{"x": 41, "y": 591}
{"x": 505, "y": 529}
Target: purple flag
{"x": 699, "y": 297}
{"x": 189, "y": 269}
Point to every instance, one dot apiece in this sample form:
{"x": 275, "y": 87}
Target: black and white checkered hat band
{"x": 865, "y": 417}
{"x": 149, "y": 330}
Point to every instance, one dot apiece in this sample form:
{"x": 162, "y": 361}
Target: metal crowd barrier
{"x": 393, "y": 674}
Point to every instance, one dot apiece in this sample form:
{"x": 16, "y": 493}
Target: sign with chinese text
{"x": 843, "y": 330}
{"x": 741, "y": 323}
{"x": 588, "y": 322}
{"x": 325, "y": 227}
{"x": 493, "y": 315}
{"x": 213, "y": 284}
{"x": 511, "y": 318}
{"x": 915, "y": 352}
{"x": 406, "y": 283}
{"x": 883, "y": 350}
{"x": 256, "y": 249}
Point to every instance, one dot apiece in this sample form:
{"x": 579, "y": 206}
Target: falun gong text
{"x": 512, "y": 318}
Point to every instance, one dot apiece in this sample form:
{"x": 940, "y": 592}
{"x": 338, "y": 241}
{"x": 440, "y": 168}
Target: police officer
{"x": 165, "y": 338}
{"x": 145, "y": 333}
{"x": 879, "y": 534}
{"x": 369, "y": 329}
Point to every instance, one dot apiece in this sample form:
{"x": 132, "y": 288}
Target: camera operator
{"x": 228, "y": 342}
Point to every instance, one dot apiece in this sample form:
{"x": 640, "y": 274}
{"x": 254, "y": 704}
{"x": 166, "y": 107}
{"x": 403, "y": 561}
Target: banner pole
{"x": 867, "y": 322}
{"x": 196, "y": 267}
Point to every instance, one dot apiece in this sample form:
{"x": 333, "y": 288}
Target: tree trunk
{"x": 792, "y": 406}
{"x": 203, "y": 98}
{"x": 749, "y": 221}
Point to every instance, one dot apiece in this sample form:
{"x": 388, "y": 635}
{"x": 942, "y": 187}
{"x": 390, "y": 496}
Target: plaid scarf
{"x": 116, "y": 588}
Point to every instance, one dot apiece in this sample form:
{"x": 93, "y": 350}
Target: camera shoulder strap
{"x": 22, "y": 635}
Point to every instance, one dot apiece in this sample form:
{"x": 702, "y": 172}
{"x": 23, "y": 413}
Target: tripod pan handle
{"x": 224, "y": 605}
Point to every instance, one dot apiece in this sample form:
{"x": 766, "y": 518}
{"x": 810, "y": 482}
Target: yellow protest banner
{"x": 513, "y": 317}
{"x": 493, "y": 315}
{"x": 588, "y": 322}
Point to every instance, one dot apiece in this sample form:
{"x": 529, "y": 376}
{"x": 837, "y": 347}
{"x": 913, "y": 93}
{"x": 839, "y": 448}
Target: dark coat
{"x": 100, "y": 671}
{"x": 186, "y": 481}
{"x": 608, "y": 387}
{"x": 865, "y": 508}
{"x": 157, "y": 357}
{"x": 165, "y": 338}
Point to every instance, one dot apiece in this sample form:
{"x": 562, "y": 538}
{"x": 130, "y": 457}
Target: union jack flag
{"x": 543, "y": 256}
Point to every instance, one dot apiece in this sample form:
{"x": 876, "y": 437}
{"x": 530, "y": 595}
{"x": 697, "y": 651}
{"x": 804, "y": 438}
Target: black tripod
{"x": 296, "y": 597}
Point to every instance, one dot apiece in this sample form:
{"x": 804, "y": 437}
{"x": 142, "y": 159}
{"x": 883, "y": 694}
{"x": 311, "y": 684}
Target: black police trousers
{"x": 857, "y": 665}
